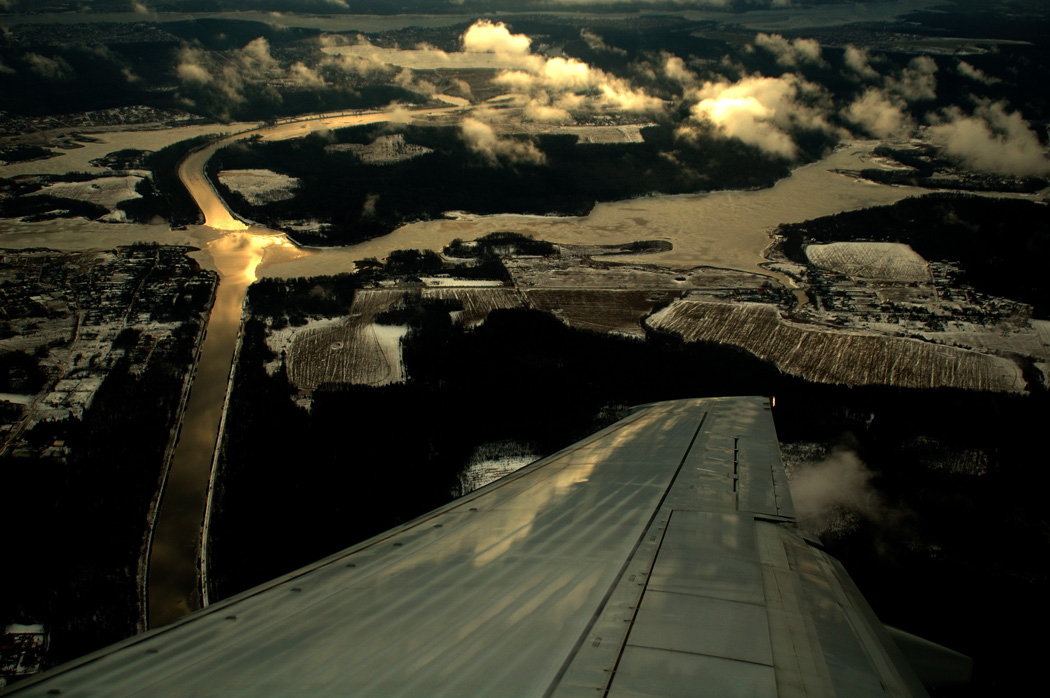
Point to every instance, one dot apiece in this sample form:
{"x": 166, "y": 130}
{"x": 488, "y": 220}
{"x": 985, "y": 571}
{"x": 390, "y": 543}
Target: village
{"x": 69, "y": 318}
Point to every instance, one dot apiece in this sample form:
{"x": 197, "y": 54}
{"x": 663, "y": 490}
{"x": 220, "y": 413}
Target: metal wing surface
{"x": 658, "y": 557}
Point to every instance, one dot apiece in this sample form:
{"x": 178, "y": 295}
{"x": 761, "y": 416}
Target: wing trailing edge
{"x": 659, "y": 557}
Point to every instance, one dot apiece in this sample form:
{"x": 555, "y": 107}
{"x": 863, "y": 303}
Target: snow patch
{"x": 259, "y": 187}
{"x": 104, "y": 191}
{"x": 883, "y": 261}
{"x": 385, "y": 150}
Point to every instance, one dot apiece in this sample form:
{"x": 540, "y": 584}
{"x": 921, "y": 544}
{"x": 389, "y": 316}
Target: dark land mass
{"x": 161, "y": 196}
{"x": 930, "y": 170}
{"x": 1001, "y": 245}
{"x": 77, "y": 493}
{"x": 360, "y": 201}
{"x": 58, "y": 70}
{"x": 952, "y": 552}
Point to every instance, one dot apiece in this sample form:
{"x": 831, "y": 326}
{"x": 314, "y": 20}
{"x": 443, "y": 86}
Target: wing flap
{"x": 657, "y": 557}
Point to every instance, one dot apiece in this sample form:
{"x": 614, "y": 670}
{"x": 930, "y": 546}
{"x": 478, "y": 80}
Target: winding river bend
{"x": 235, "y": 250}
{"x": 727, "y": 229}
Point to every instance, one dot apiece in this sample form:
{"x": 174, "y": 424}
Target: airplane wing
{"x": 659, "y": 557}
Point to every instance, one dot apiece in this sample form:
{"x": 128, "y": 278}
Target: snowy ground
{"x": 260, "y": 187}
{"x": 606, "y": 134}
{"x": 446, "y": 282}
{"x": 478, "y": 475}
{"x": 280, "y": 341}
{"x": 850, "y": 358}
{"x": 385, "y": 150}
{"x": 104, "y": 191}
{"x": 880, "y": 261}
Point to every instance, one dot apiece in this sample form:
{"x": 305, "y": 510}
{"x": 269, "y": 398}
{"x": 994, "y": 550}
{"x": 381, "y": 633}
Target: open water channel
{"x": 725, "y": 229}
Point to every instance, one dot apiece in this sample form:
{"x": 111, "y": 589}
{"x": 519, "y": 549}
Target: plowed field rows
{"x": 358, "y": 352}
{"x": 477, "y": 302}
{"x": 836, "y": 357}
{"x": 600, "y": 310}
{"x": 881, "y": 261}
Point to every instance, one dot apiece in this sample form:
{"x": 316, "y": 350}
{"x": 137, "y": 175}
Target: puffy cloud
{"x": 5, "y": 69}
{"x": 302, "y": 74}
{"x": 880, "y": 114}
{"x": 482, "y": 139}
{"x": 537, "y": 111}
{"x": 675, "y": 69}
{"x": 49, "y": 68}
{"x": 991, "y": 140}
{"x": 976, "y": 74}
{"x": 596, "y": 43}
{"x": 226, "y": 82}
{"x": 761, "y": 111}
{"x": 255, "y": 57}
{"x": 190, "y": 69}
{"x": 790, "y": 53}
{"x": 857, "y": 60}
{"x": 485, "y": 37}
{"x": 356, "y": 64}
{"x": 917, "y": 82}
{"x": 140, "y": 8}
{"x": 558, "y": 85}
{"x": 840, "y": 482}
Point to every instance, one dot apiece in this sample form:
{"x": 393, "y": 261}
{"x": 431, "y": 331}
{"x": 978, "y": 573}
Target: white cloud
{"x": 976, "y": 74}
{"x": 675, "y": 69}
{"x": 50, "y": 68}
{"x": 917, "y": 82}
{"x": 991, "y": 140}
{"x": 481, "y": 138}
{"x": 841, "y": 481}
{"x": 302, "y": 74}
{"x": 485, "y": 37}
{"x": 879, "y": 114}
{"x": 560, "y": 84}
{"x": 190, "y": 70}
{"x": 859, "y": 62}
{"x": 255, "y": 57}
{"x": 597, "y": 43}
{"x": 790, "y": 53}
{"x": 761, "y": 111}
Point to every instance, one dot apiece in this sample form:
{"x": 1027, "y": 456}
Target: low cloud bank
{"x": 991, "y": 139}
{"x": 482, "y": 139}
{"x": 822, "y": 491}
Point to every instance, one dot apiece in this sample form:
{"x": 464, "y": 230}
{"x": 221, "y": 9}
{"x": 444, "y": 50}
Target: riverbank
{"x": 142, "y": 574}
{"x": 213, "y": 477}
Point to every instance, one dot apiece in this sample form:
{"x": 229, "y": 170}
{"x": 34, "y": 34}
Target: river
{"x": 726, "y": 229}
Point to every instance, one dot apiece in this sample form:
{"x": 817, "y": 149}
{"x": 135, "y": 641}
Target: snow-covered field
{"x": 385, "y": 150}
{"x": 280, "y": 341}
{"x": 104, "y": 191}
{"x": 349, "y": 350}
{"x": 477, "y": 302}
{"x": 879, "y": 261}
{"x": 491, "y": 461}
{"x": 836, "y": 357}
{"x": 447, "y": 282}
{"x": 260, "y": 187}
{"x": 606, "y": 134}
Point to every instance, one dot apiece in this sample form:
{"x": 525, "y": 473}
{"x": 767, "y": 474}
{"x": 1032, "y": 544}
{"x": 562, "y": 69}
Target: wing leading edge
{"x": 658, "y": 557}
